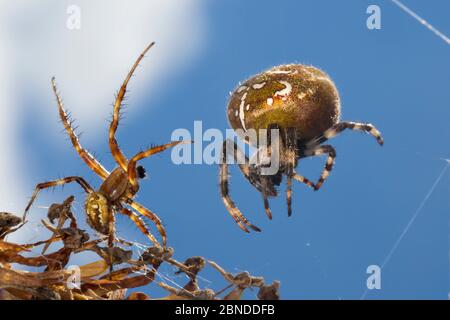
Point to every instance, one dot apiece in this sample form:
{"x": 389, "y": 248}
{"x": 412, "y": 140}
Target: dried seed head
{"x": 74, "y": 238}
{"x": 270, "y": 292}
{"x": 194, "y": 265}
{"x": 60, "y": 210}
{"x": 8, "y": 220}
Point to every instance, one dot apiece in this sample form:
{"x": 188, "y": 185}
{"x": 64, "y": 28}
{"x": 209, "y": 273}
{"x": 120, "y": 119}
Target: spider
{"x": 303, "y": 104}
{"x": 120, "y": 186}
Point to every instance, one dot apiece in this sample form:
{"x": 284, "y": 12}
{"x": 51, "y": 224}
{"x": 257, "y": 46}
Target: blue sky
{"x": 396, "y": 78}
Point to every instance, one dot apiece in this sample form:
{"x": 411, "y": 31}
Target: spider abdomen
{"x": 292, "y": 96}
{"x": 99, "y": 212}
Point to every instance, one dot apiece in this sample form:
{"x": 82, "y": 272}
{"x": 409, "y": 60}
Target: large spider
{"x": 120, "y": 186}
{"x": 303, "y": 103}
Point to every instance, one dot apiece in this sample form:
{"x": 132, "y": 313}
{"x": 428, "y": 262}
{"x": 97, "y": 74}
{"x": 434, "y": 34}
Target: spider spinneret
{"x": 302, "y": 102}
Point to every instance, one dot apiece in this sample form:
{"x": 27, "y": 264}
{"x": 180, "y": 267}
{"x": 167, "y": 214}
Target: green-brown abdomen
{"x": 292, "y": 96}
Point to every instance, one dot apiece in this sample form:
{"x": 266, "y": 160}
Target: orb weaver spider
{"x": 303, "y": 104}
{"x": 120, "y": 186}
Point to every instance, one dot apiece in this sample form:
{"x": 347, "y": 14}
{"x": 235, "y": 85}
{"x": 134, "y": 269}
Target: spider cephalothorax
{"x": 120, "y": 186}
{"x": 303, "y": 104}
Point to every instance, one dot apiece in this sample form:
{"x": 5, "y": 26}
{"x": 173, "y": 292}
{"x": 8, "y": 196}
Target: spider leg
{"x": 154, "y": 218}
{"x": 114, "y": 146}
{"x": 341, "y": 126}
{"x": 266, "y": 200}
{"x": 131, "y": 169}
{"x": 84, "y": 154}
{"x": 111, "y": 239}
{"x": 289, "y": 194}
{"x": 238, "y": 217}
{"x": 304, "y": 180}
{"x": 291, "y": 153}
{"x": 140, "y": 224}
{"x": 45, "y": 185}
{"x": 264, "y": 180}
{"x": 325, "y": 149}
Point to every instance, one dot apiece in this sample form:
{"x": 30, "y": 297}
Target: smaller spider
{"x": 303, "y": 104}
{"x": 120, "y": 186}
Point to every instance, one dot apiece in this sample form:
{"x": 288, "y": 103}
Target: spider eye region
{"x": 141, "y": 172}
{"x": 292, "y": 96}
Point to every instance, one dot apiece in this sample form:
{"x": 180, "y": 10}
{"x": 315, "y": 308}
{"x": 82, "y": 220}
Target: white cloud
{"x": 89, "y": 64}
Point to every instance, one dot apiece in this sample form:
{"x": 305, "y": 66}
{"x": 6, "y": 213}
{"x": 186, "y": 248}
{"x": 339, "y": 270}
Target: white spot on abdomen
{"x": 280, "y": 72}
{"x": 242, "y": 112}
{"x": 301, "y": 95}
{"x": 286, "y": 91}
{"x": 241, "y": 88}
{"x": 259, "y": 85}
{"x": 269, "y": 101}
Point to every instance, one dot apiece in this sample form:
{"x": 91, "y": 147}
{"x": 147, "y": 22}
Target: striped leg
{"x": 266, "y": 199}
{"x": 114, "y": 146}
{"x": 325, "y": 149}
{"x": 237, "y": 215}
{"x": 140, "y": 224}
{"x": 341, "y": 126}
{"x": 153, "y": 217}
{"x": 289, "y": 194}
{"x": 242, "y": 161}
{"x": 304, "y": 180}
{"x": 45, "y": 185}
{"x": 84, "y": 154}
{"x": 291, "y": 144}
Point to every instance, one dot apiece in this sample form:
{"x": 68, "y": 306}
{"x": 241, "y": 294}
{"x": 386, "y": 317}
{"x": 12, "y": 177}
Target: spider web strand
{"x": 421, "y": 21}
{"x": 409, "y": 224}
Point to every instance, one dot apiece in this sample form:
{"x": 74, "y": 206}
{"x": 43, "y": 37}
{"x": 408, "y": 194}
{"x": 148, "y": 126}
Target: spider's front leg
{"x": 114, "y": 146}
{"x": 132, "y": 169}
{"x": 237, "y": 215}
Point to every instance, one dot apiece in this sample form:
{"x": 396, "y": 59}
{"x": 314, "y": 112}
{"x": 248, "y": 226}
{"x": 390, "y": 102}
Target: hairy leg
{"x": 45, "y": 185}
{"x": 238, "y": 217}
{"x": 331, "y": 152}
{"x": 152, "y": 217}
{"x": 114, "y": 146}
{"x": 131, "y": 169}
{"x": 89, "y": 159}
{"x": 140, "y": 224}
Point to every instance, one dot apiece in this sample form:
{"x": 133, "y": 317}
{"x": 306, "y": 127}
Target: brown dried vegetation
{"x": 96, "y": 280}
